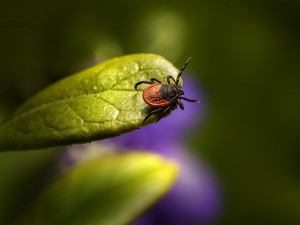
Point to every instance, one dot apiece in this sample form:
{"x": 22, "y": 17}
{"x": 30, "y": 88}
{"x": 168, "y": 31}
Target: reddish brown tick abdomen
{"x": 153, "y": 98}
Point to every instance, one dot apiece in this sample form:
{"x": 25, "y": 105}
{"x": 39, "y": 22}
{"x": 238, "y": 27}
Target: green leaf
{"x": 97, "y": 103}
{"x": 110, "y": 191}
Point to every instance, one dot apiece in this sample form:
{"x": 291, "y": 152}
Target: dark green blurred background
{"x": 246, "y": 55}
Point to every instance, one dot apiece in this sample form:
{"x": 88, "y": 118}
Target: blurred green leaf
{"x": 97, "y": 103}
{"x": 109, "y": 190}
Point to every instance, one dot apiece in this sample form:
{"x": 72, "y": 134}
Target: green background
{"x": 245, "y": 55}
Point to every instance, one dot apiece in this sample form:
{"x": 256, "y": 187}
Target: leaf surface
{"x": 97, "y": 103}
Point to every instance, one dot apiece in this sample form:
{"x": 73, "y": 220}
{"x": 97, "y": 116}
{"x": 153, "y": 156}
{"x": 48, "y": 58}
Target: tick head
{"x": 180, "y": 92}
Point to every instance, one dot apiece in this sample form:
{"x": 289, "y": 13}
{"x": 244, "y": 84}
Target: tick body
{"x": 164, "y": 97}
{"x": 160, "y": 95}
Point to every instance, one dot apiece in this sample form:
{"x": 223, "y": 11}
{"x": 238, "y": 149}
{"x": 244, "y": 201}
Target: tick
{"x": 164, "y": 97}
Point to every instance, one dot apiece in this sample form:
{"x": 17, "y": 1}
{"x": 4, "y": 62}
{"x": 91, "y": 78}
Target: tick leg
{"x": 163, "y": 113}
{"x": 189, "y": 100}
{"x": 151, "y": 113}
{"x": 172, "y": 78}
{"x": 180, "y": 104}
{"x": 182, "y": 69}
{"x": 141, "y": 82}
{"x": 155, "y": 80}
